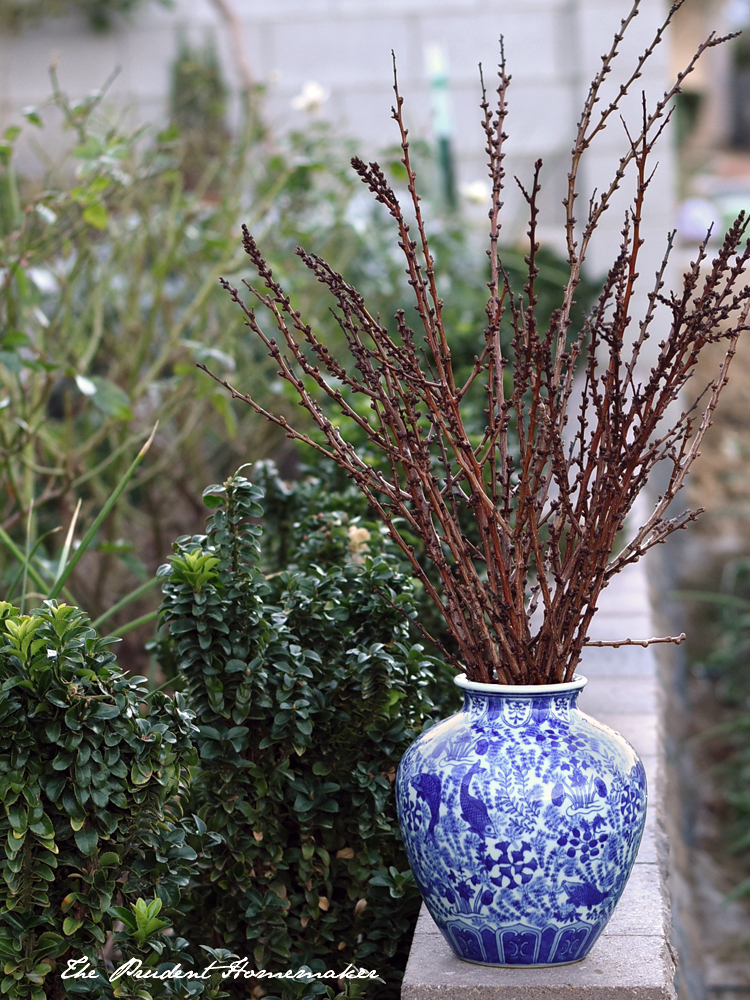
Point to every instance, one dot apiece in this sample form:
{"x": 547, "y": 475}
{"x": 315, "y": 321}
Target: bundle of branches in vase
{"x": 575, "y": 421}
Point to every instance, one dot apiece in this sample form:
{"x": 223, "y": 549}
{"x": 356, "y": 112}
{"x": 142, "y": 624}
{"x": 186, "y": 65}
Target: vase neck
{"x": 516, "y": 709}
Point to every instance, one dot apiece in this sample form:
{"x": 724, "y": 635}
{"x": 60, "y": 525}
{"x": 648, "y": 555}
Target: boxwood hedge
{"x": 307, "y": 689}
{"x": 249, "y": 814}
{"x": 91, "y": 772}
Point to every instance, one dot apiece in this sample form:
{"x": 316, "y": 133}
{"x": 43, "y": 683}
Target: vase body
{"x": 521, "y": 817}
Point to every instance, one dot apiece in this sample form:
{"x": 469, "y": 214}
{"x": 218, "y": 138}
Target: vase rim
{"x": 577, "y": 684}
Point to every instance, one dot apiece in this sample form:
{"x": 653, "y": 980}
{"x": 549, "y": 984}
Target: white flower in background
{"x": 358, "y": 539}
{"x": 311, "y": 98}
{"x": 85, "y": 385}
{"x": 477, "y": 192}
{"x": 696, "y": 217}
{"x": 44, "y": 280}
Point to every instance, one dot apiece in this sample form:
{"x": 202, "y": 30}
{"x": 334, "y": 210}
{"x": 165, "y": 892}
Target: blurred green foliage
{"x": 727, "y": 618}
{"x": 16, "y": 15}
{"x": 109, "y": 295}
{"x": 198, "y": 108}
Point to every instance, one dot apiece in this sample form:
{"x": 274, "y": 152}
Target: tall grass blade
{"x": 123, "y": 602}
{"x": 68, "y": 542}
{"x": 27, "y": 556}
{"x": 20, "y": 557}
{"x": 90, "y": 534}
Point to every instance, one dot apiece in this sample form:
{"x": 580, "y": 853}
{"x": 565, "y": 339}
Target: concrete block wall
{"x": 553, "y": 47}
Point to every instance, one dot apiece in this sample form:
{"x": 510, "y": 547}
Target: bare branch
{"x": 616, "y": 643}
{"x": 515, "y": 518}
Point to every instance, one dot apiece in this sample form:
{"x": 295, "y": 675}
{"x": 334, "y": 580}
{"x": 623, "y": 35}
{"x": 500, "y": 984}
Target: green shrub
{"x": 307, "y": 690}
{"x": 91, "y": 829}
{"x": 309, "y": 520}
{"x": 100, "y": 14}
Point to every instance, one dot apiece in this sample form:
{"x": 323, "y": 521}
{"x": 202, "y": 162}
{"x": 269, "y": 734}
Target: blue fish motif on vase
{"x": 473, "y": 810}
{"x": 522, "y": 818}
{"x": 428, "y": 789}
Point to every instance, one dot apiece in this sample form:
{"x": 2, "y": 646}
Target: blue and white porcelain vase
{"x": 522, "y": 818}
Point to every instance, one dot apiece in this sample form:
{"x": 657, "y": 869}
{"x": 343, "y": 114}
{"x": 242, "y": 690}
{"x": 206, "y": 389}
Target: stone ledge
{"x": 621, "y": 965}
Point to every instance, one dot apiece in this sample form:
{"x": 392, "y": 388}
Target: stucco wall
{"x": 552, "y": 48}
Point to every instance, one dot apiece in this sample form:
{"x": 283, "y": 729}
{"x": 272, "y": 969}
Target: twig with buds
{"x": 616, "y": 643}
{"x": 545, "y": 516}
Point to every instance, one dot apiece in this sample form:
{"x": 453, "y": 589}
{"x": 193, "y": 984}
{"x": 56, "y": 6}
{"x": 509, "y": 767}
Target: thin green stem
{"x": 89, "y": 536}
{"x": 129, "y": 626}
{"x": 124, "y": 601}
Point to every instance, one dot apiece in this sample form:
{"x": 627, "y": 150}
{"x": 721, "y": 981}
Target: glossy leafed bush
{"x": 283, "y": 846}
{"x": 88, "y": 784}
{"x": 306, "y": 690}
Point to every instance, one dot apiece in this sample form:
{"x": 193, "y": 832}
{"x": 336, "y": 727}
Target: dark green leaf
{"x": 86, "y": 840}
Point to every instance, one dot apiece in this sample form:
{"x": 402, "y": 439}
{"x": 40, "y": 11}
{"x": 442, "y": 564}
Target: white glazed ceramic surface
{"x": 522, "y": 817}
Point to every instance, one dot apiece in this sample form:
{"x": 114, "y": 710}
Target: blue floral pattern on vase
{"x": 522, "y": 818}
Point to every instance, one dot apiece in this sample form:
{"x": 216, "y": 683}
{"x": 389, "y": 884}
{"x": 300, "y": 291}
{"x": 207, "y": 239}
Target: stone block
{"x": 409, "y": 8}
{"x": 292, "y": 10}
{"x": 529, "y": 39}
{"x": 627, "y": 594}
{"x": 146, "y": 59}
{"x": 350, "y": 53}
{"x": 648, "y": 852}
{"x": 603, "y": 697}
{"x": 191, "y": 12}
{"x": 611, "y": 625}
{"x": 622, "y": 966}
{"x": 84, "y": 63}
{"x": 538, "y": 123}
{"x": 641, "y": 733}
{"x": 366, "y": 113}
{"x": 635, "y": 914}
{"x": 620, "y": 661}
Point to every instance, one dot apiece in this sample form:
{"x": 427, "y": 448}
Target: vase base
{"x": 519, "y": 946}
{"x": 499, "y": 965}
